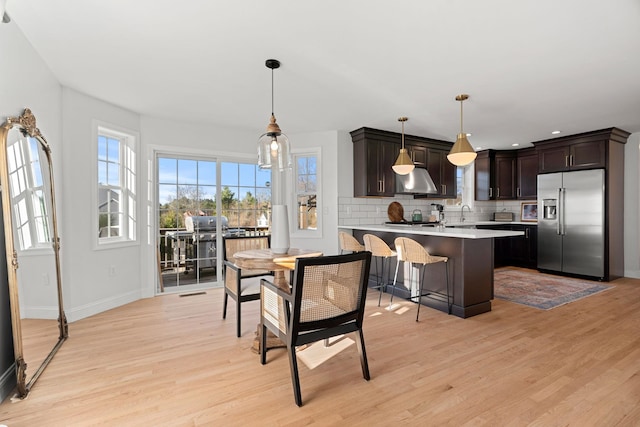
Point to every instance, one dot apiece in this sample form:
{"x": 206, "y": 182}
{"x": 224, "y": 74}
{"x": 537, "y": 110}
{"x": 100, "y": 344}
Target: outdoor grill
{"x": 203, "y": 235}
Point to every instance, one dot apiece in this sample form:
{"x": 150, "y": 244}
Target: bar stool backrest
{"x": 349, "y": 243}
{"x": 377, "y": 246}
{"x": 411, "y": 251}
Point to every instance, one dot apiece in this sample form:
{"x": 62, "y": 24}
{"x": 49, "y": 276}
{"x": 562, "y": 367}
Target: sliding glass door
{"x": 191, "y": 222}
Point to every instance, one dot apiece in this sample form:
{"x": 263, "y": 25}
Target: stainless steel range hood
{"x": 417, "y": 181}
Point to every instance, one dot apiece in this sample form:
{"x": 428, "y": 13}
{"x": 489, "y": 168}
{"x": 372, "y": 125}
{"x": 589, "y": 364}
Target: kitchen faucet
{"x": 462, "y": 212}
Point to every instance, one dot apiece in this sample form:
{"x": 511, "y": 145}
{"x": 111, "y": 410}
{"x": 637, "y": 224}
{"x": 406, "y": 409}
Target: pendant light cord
{"x": 272, "y": 91}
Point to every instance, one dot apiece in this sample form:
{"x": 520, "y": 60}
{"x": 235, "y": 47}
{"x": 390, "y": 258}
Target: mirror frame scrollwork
{"x": 26, "y": 124}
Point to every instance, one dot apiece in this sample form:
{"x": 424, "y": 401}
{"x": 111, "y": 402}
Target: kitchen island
{"x": 470, "y": 253}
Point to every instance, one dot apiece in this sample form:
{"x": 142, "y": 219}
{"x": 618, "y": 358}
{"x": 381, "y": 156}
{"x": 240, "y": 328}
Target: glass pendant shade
{"x": 462, "y": 153}
{"x": 274, "y": 149}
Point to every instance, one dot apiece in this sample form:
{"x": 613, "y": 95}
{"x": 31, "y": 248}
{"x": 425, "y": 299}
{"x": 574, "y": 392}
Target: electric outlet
{"x": 112, "y": 270}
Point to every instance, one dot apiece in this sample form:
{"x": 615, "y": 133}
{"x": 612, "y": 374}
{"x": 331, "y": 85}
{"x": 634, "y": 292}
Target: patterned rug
{"x": 543, "y": 291}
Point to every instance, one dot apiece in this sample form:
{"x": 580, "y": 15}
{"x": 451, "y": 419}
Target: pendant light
{"x": 403, "y": 164}
{"x": 462, "y": 153}
{"x": 273, "y": 146}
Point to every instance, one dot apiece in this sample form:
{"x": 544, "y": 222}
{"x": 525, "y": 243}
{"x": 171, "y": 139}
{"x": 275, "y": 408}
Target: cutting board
{"x": 395, "y": 211}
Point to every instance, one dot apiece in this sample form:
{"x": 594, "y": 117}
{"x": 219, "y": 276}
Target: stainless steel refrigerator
{"x": 571, "y": 227}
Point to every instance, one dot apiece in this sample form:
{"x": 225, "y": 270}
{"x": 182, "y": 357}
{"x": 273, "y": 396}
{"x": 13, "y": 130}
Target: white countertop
{"x": 460, "y": 233}
{"x": 473, "y": 223}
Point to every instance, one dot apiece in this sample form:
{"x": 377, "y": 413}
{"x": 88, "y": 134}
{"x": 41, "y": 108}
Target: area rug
{"x": 543, "y": 291}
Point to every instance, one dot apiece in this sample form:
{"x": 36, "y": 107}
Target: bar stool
{"x": 414, "y": 253}
{"x": 348, "y": 243}
{"x": 381, "y": 253}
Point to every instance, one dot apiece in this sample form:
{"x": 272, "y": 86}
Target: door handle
{"x": 559, "y": 212}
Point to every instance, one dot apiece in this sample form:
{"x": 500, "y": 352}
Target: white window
{"x": 28, "y": 197}
{"x": 116, "y": 186}
{"x": 465, "y": 188}
{"x": 307, "y": 203}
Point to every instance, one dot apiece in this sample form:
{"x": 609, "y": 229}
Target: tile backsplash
{"x": 357, "y": 210}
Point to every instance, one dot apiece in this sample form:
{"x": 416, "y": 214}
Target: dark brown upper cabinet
{"x": 442, "y": 172}
{"x": 527, "y": 174}
{"x": 589, "y": 150}
{"x": 506, "y": 174}
{"x": 375, "y": 151}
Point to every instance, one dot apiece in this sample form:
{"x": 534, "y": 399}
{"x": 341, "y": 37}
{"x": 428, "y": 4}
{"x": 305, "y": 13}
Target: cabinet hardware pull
{"x": 518, "y": 192}
{"x": 490, "y": 191}
{"x": 498, "y": 193}
{"x": 444, "y": 188}
{"x": 571, "y": 160}
{"x": 566, "y": 161}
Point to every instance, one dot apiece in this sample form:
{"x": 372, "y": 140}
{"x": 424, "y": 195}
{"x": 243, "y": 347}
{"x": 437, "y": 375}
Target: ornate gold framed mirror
{"x": 32, "y": 248}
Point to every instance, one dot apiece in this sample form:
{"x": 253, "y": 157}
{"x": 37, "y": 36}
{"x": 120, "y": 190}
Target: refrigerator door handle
{"x": 559, "y": 212}
{"x": 562, "y": 200}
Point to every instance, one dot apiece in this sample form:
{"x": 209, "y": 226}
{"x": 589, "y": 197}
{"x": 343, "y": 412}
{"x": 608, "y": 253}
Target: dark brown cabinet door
{"x": 505, "y": 170}
{"x": 384, "y": 153}
{"x": 483, "y": 175}
{"x": 553, "y": 159}
{"x": 418, "y": 155}
{"x": 372, "y": 162}
{"x": 449, "y": 177}
{"x": 519, "y": 251}
{"x": 587, "y": 155}
{"x": 575, "y": 156}
{"x": 527, "y": 175}
{"x": 442, "y": 172}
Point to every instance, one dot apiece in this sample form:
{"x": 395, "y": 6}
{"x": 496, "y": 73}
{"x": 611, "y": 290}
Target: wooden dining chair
{"x": 241, "y": 284}
{"x": 327, "y": 299}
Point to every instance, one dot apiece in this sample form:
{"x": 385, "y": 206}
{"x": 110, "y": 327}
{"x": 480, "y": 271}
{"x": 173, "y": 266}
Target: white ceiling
{"x": 529, "y": 66}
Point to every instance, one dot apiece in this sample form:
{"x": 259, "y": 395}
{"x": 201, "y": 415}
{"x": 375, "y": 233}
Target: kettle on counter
{"x": 416, "y": 215}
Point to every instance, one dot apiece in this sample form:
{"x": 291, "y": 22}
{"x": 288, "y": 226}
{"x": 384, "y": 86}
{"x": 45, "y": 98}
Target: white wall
{"x": 90, "y": 287}
{"x": 632, "y": 206}
{"x": 328, "y": 143}
{"x": 26, "y": 82}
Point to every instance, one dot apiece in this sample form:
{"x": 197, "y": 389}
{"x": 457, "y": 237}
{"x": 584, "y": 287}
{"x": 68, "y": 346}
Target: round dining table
{"x": 265, "y": 259}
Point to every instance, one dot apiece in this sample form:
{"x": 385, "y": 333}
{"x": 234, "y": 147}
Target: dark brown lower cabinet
{"x": 521, "y": 251}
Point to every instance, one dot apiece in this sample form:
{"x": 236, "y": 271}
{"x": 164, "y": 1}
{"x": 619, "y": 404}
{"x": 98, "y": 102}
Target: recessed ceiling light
{"x": 515, "y": 145}
{"x": 555, "y": 132}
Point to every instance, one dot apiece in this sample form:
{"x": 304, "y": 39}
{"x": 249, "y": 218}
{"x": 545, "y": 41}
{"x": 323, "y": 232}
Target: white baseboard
{"x": 633, "y": 274}
{"x": 99, "y": 306}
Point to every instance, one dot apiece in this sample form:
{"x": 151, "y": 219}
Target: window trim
{"x": 293, "y": 200}
{"x": 131, "y": 138}
{"x": 27, "y": 196}
{"x": 468, "y": 189}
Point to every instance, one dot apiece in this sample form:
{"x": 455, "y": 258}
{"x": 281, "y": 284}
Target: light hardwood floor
{"x": 173, "y": 361}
